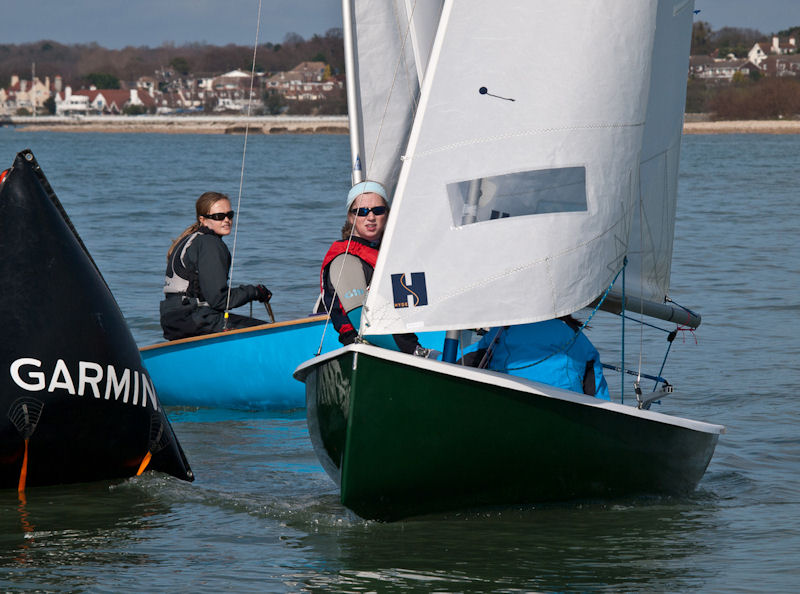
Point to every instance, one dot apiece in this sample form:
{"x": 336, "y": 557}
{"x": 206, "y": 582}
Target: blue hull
{"x": 248, "y": 369}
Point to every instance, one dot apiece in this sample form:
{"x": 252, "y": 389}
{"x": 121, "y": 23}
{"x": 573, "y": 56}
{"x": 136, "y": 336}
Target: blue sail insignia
{"x": 416, "y": 289}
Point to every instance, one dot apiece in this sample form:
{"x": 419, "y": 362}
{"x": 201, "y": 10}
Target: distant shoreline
{"x": 305, "y": 125}
{"x": 184, "y": 124}
{"x": 743, "y": 127}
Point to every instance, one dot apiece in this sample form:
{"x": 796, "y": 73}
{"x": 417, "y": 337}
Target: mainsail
{"x": 392, "y": 41}
{"x": 521, "y": 177}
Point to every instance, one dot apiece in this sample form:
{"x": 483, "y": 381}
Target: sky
{"x": 118, "y": 23}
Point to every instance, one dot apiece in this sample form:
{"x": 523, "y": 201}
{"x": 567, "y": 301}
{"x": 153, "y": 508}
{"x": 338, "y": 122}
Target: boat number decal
{"x": 416, "y": 289}
{"x": 89, "y": 378}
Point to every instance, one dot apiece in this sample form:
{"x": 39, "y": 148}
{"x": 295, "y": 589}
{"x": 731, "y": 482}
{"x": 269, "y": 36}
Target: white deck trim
{"x": 503, "y": 380}
{"x": 227, "y": 333}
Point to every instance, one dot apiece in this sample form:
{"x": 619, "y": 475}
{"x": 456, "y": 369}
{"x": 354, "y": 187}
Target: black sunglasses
{"x": 220, "y": 216}
{"x": 364, "y": 211}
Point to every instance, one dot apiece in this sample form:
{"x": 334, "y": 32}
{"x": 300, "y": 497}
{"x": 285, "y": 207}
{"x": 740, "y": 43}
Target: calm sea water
{"x": 263, "y": 516}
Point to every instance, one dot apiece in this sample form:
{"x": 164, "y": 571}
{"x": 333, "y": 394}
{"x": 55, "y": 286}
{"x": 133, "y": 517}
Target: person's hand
{"x": 263, "y": 294}
{"x": 421, "y": 351}
{"x": 348, "y": 337}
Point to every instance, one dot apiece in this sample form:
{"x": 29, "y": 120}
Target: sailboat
{"x": 77, "y": 402}
{"x": 259, "y": 360}
{"x": 536, "y": 151}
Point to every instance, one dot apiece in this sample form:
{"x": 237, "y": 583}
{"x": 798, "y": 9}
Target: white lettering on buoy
{"x": 28, "y": 373}
{"x": 38, "y": 376}
{"x": 61, "y": 378}
{"x": 118, "y": 384}
{"x": 92, "y": 381}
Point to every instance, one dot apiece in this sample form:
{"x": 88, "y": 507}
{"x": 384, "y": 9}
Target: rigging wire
{"x": 401, "y": 61}
{"x": 241, "y": 175}
{"x": 637, "y": 384}
{"x": 622, "y": 356}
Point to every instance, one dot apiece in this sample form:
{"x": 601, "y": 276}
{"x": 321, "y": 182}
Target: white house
{"x": 708, "y": 68}
{"x": 759, "y": 52}
{"x": 68, "y": 104}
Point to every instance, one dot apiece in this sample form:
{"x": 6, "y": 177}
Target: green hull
{"x": 405, "y": 436}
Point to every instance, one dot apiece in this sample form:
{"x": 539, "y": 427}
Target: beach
{"x": 742, "y": 127}
{"x": 311, "y": 124}
{"x": 167, "y": 124}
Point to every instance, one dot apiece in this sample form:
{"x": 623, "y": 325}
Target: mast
{"x": 468, "y": 216}
{"x": 353, "y": 111}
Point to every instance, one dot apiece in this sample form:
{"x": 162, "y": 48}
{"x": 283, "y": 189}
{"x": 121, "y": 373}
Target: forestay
{"x": 536, "y": 111}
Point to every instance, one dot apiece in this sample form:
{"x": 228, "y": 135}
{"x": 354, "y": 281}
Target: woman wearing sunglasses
{"x": 348, "y": 266}
{"x": 196, "y": 283}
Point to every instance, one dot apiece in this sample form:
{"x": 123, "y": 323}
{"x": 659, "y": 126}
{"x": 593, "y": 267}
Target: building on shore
{"x": 169, "y": 92}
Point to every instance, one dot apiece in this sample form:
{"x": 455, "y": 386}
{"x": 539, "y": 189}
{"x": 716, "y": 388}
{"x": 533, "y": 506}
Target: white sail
{"x": 536, "y": 110}
{"x": 424, "y": 20}
{"x": 650, "y": 251}
{"x": 392, "y": 41}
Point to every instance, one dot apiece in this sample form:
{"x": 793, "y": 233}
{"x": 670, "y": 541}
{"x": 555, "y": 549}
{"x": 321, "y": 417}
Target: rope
{"x": 622, "y": 312}
{"x": 23, "y": 473}
{"x": 144, "y": 463}
{"x": 641, "y": 287}
{"x": 241, "y": 175}
{"x": 401, "y": 61}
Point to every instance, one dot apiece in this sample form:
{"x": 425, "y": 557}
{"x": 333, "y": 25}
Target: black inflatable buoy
{"x": 76, "y": 402}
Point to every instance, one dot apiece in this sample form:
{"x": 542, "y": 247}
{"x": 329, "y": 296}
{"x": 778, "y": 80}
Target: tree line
{"x": 81, "y": 65}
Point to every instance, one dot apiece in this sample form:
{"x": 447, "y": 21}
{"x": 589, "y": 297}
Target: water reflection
{"x": 632, "y": 545}
{"x": 74, "y": 525}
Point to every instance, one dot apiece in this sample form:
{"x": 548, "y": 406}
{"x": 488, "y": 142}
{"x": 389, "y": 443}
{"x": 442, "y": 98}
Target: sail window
{"x": 518, "y": 194}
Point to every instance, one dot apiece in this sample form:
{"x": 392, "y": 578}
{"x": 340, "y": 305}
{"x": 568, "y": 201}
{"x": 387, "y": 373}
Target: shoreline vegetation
{"x": 310, "y": 125}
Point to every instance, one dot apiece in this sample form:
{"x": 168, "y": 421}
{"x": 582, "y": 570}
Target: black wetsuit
{"x": 196, "y": 289}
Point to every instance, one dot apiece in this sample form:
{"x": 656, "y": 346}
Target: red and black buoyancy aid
{"x": 368, "y": 254}
{"x": 362, "y": 251}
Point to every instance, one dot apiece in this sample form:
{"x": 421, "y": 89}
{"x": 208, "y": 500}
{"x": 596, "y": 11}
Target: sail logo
{"x": 352, "y": 293}
{"x": 416, "y": 290}
{"x": 86, "y": 378}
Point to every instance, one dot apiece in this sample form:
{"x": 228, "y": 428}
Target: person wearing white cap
{"x": 348, "y": 266}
